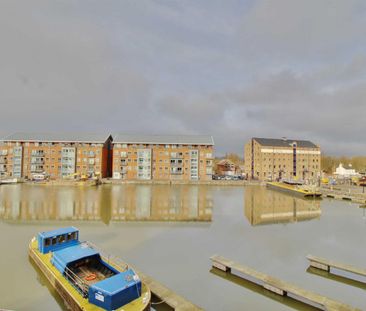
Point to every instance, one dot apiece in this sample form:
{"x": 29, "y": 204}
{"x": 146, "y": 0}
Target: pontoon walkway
{"x": 280, "y": 287}
{"x": 166, "y": 296}
{"x": 325, "y": 264}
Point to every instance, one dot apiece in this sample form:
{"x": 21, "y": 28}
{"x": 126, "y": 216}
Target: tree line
{"x": 330, "y": 163}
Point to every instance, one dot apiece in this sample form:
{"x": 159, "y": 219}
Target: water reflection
{"x": 263, "y": 206}
{"x": 337, "y": 278}
{"x": 106, "y": 203}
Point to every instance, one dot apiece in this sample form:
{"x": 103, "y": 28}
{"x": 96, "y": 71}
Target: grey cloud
{"x": 308, "y": 29}
{"x": 230, "y": 69}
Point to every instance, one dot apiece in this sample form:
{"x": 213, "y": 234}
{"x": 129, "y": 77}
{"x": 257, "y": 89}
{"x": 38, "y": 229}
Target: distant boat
{"x": 295, "y": 189}
{"x": 85, "y": 278}
{"x": 8, "y": 181}
{"x": 38, "y": 177}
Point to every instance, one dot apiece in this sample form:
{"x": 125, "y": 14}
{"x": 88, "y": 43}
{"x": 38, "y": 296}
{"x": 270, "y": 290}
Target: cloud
{"x": 312, "y": 30}
{"x": 232, "y": 69}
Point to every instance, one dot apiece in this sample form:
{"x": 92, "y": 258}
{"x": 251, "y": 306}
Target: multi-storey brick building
{"x": 57, "y": 155}
{"x": 272, "y": 159}
{"x": 162, "y": 157}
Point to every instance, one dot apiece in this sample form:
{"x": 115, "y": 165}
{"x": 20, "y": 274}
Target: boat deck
{"x": 91, "y": 272}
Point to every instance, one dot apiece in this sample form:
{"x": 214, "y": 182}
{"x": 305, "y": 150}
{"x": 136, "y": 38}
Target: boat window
{"x": 61, "y": 239}
{"x": 71, "y": 236}
{"x": 54, "y": 241}
{"x": 47, "y": 242}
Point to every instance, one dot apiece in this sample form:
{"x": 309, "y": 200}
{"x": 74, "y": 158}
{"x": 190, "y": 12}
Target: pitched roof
{"x": 285, "y": 142}
{"x": 163, "y": 139}
{"x": 58, "y": 137}
{"x": 225, "y": 162}
{"x": 3, "y": 135}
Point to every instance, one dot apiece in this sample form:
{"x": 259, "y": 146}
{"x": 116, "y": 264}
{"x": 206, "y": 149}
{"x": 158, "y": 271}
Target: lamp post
{"x": 350, "y": 177}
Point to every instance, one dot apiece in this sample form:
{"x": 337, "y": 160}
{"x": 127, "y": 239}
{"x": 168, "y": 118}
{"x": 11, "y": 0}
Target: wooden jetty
{"x": 326, "y": 265}
{"x": 166, "y": 296}
{"x": 278, "y": 286}
{"x": 342, "y": 194}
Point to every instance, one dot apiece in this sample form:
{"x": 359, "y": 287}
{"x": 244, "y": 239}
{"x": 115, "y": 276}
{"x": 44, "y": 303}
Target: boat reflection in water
{"x": 263, "y": 206}
{"x": 106, "y": 203}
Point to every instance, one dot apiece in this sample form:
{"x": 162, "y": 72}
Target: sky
{"x": 231, "y": 69}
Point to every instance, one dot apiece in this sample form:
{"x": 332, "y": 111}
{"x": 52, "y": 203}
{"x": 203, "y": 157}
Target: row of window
{"x": 48, "y": 144}
{"x": 59, "y": 167}
{"x": 160, "y": 168}
{"x": 284, "y": 166}
{"x": 269, "y": 174}
{"x": 60, "y": 239}
{"x": 172, "y": 161}
{"x": 159, "y": 145}
{"x": 124, "y": 154}
{"x": 283, "y": 159}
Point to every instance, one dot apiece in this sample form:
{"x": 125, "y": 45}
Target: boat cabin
{"x": 51, "y": 241}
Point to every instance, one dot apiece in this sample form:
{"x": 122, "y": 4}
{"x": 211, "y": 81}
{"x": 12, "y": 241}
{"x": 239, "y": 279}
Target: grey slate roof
{"x": 285, "y": 142}
{"x": 3, "y": 135}
{"x": 163, "y": 139}
{"x": 58, "y": 137}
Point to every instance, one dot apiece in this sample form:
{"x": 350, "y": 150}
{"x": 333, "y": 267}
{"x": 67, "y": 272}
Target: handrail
{"x": 110, "y": 259}
{"x": 82, "y": 285}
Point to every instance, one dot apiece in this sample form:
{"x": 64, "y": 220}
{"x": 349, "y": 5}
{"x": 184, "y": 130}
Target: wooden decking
{"x": 280, "y": 287}
{"x": 167, "y": 296}
{"x": 343, "y": 194}
{"x": 325, "y": 264}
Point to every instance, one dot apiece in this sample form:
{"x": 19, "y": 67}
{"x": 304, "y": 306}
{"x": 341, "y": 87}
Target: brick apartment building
{"x": 272, "y": 159}
{"x": 57, "y": 155}
{"x": 172, "y": 157}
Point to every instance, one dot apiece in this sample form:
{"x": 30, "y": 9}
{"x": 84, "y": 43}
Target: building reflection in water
{"x": 106, "y": 203}
{"x": 263, "y": 206}
{"x": 161, "y": 203}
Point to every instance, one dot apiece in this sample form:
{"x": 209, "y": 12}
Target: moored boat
{"x": 7, "y": 181}
{"x": 84, "y": 277}
{"x": 295, "y": 189}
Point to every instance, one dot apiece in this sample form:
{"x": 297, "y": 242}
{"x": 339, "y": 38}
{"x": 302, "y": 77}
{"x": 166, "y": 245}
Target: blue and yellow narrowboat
{"x": 84, "y": 277}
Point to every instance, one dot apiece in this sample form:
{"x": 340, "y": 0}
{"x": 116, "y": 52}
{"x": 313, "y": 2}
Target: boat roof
{"x": 73, "y": 253}
{"x": 61, "y": 231}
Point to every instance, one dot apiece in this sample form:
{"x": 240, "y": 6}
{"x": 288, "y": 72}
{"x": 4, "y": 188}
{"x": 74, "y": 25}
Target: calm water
{"x": 170, "y": 232}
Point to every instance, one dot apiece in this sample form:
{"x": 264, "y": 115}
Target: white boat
{"x": 8, "y": 181}
{"x": 38, "y": 177}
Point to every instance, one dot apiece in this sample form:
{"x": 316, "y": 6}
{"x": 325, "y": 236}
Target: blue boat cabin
{"x": 51, "y": 241}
